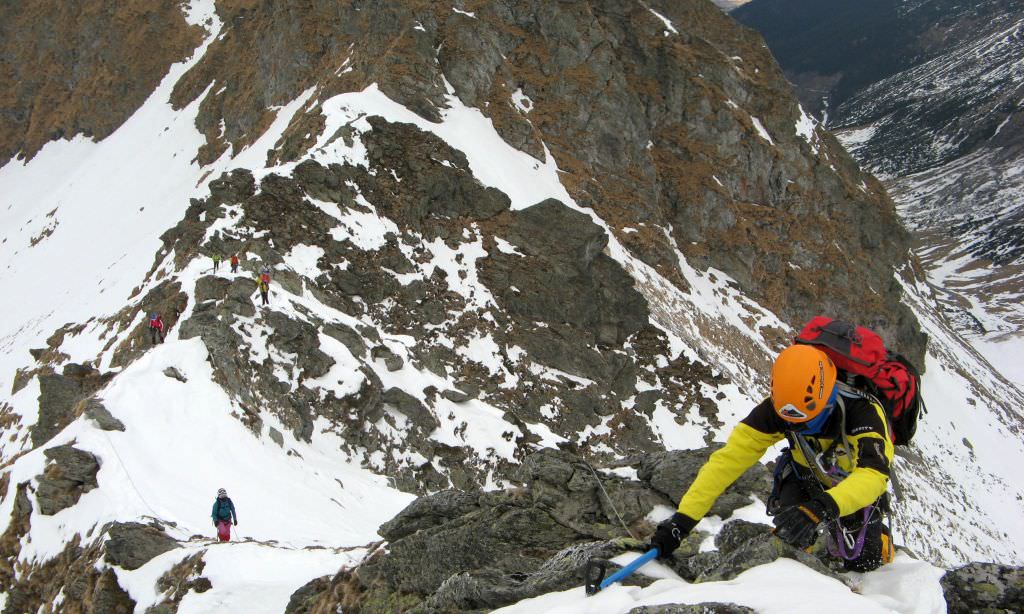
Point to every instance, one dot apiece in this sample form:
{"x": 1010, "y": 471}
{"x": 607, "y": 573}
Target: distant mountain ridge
{"x": 928, "y": 95}
{"x": 833, "y": 49}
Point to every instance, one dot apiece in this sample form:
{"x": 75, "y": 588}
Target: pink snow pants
{"x": 224, "y": 530}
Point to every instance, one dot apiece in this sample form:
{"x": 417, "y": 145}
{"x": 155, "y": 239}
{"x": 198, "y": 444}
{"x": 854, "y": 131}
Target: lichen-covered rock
{"x": 392, "y": 361}
{"x": 69, "y": 474}
{"x": 508, "y": 536}
{"x": 108, "y": 596}
{"x": 987, "y": 588}
{"x": 736, "y": 533}
{"x": 131, "y": 544}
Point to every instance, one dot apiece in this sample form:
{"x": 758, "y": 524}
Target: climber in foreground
{"x": 833, "y": 476}
{"x": 223, "y": 514}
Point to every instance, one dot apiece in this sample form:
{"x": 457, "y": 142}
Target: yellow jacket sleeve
{"x": 866, "y": 483}
{"x": 746, "y": 446}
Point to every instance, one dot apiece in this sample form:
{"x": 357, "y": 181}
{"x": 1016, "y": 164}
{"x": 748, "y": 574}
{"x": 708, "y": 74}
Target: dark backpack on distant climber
{"x": 861, "y": 356}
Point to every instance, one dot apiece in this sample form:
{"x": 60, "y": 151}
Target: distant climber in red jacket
{"x": 156, "y": 328}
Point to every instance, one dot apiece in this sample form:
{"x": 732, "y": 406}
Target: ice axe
{"x": 596, "y": 569}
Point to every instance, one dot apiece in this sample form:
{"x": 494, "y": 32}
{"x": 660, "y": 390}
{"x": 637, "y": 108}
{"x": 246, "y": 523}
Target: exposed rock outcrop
{"x": 82, "y": 67}
{"x": 179, "y": 581}
{"x": 59, "y": 395}
{"x": 95, "y": 410}
{"x": 689, "y": 141}
{"x": 131, "y": 544}
{"x": 69, "y": 474}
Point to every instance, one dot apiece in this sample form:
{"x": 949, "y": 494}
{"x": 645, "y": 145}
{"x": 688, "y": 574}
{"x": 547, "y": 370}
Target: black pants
{"x": 154, "y": 334}
{"x": 263, "y": 293}
{"x": 877, "y": 539}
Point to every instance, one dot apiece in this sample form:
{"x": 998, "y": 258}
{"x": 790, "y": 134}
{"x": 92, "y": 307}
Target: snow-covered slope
{"x": 96, "y": 233}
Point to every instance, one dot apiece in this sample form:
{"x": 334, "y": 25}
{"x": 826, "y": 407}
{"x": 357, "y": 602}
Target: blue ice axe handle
{"x": 596, "y": 569}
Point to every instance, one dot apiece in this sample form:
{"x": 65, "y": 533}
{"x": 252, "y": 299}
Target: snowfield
{"x": 907, "y": 586}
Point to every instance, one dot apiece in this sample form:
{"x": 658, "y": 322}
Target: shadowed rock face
{"x": 72, "y": 68}
{"x": 59, "y": 396}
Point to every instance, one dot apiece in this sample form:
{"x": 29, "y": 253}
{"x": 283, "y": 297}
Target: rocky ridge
{"x": 579, "y": 343}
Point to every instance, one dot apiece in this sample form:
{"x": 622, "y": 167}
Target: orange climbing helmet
{"x": 803, "y": 384}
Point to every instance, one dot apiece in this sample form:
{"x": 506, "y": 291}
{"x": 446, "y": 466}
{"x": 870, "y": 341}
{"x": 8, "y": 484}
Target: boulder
{"x": 492, "y": 588}
{"x": 131, "y": 545}
{"x": 673, "y": 471}
{"x": 211, "y": 288}
{"x": 430, "y": 511}
{"x": 989, "y": 588}
{"x": 174, "y": 373}
{"x": 736, "y": 533}
{"x": 759, "y": 550}
{"x": 58, "y": 396}
{"x": 411, "y": 407}
{"x": 457, "y": 396}
{"x": 392, "y": 361}
{"x": 69, "y": 474}
{"x": 98, "y": 413}
{"x": 349, "y": 337}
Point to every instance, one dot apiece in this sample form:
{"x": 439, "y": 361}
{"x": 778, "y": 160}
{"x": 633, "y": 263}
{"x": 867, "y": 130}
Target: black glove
{"x": 797, "y": 525}
{"x": 670, "y": 532}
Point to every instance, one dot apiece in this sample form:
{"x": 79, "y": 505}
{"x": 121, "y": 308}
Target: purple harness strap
{"x": 858, "y": 545}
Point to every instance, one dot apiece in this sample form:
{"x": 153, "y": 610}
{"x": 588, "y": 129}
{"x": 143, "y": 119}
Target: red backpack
{"x": 861, "y": 356}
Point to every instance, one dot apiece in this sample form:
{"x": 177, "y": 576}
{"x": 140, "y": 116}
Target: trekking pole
{"x": 596, "y": 568}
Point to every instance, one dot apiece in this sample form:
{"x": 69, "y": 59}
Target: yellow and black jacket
{"x": 867, "y": 440}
